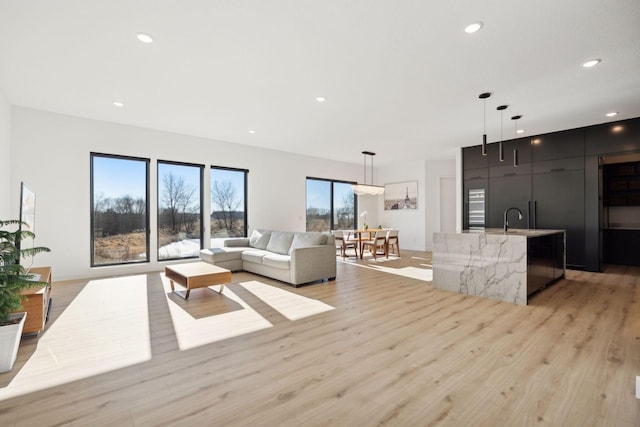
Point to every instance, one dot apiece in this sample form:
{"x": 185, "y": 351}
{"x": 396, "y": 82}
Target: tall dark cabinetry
{"x": 558, "y": 189}
{"x": 558, "y": 206}
{"x": 546, "y": 183}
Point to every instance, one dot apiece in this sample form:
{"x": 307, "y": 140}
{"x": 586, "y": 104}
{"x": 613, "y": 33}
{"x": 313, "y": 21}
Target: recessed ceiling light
{"x": 591, "y": 63}
{"x": 611, "y": 114}
{"x": 118, "y": 103}
{"x": 472, "y": 28}
{"x": 252, "y": 132}
{"x": 520, "y": 131}
{"x": 321, "y": 99}
{"x": 144, "y": 38}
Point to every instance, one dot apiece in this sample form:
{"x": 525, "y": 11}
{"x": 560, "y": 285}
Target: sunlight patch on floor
{"x": 412, "y": 272}
{"x": 106, "y": 327}
{"x": 424, "y": 274}
{"x": 193, "y": 332}
{"x": 290, "y": 305}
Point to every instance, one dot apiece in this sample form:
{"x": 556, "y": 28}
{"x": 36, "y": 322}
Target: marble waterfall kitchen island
{"x": 506, "y": 266}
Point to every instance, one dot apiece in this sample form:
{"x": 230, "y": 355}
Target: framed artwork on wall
{"x": 401, "y": 195}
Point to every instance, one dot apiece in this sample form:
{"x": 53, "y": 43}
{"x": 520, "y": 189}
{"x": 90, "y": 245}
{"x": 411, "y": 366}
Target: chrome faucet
{"x": 506, "y": 221}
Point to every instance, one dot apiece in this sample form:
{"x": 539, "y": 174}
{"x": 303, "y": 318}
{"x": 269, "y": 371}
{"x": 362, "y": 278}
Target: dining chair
{"x": 392, "y": 242}
{"x": 343, "y": 243}
{"x": 377, "y": 245}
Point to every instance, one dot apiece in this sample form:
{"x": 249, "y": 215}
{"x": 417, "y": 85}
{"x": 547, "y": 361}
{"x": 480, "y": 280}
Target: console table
{"x": 37, "y": 303}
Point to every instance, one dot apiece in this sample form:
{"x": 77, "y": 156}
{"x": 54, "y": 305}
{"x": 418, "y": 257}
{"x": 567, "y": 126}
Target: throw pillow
{"x": 259, "y": 239}
{"x": 280, "y": 242}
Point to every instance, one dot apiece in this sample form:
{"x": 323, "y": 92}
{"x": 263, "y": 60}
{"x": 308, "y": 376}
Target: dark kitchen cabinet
{"x": 506, "y": 192}
{"x": 558, "y": 204}
{"x": 558, "y": 145}
{"x": 565, "y": 184}
{"x": 472, "y": 158}
{"x": 545, "y": 260}
{"x": 523, "y": 145}
{"x": 611, "y": 138}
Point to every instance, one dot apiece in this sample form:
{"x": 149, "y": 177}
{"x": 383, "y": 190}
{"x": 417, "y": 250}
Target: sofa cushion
{"x": 259, "y": 239}
{"x": 304, "y": 240}
{"x": 254, "y": 256}
{"x": 215, "y": 255}
{"x": 277, "y": 261}
{"x": 280, "y": 242}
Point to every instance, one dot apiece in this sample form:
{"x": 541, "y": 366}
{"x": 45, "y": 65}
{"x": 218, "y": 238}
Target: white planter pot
{"x": 10, "y": 341}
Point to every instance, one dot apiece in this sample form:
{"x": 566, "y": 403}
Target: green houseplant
{"x": 13, "y": 279}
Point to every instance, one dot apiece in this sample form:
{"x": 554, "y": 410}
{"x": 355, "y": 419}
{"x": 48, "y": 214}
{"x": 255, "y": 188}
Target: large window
{"x": 179, "y": 210}
{"x": 228, "y": 202}
{"x": 331, "y": 205}
{"x": 120, "y": 210}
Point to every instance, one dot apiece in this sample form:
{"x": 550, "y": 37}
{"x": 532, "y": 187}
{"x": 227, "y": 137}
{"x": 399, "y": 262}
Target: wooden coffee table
{"x": 196, "y": 275}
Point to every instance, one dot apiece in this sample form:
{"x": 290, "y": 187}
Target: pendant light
{"x": 484, "y": 97}
{"x": 515, "y": 150}
{"x": 364, "y": 188}
{"x": 501, "y": 108}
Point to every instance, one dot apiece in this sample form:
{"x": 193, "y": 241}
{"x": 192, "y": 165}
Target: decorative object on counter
{"x": 13, "y": 279}
{"x": 484, "y": 97}
{"x": 364, "y": 215}
{"x": 364, "y": 188}
{"x": 501, "y": 108}
{"x": 401, "y": 195}
{"x": 515, "y": 150}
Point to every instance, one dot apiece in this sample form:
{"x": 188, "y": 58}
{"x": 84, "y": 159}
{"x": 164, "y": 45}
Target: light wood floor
{"x": 394, "y": 351}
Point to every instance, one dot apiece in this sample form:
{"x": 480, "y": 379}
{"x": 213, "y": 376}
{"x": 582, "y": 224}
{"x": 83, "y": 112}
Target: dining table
{"x": 358, "y": 236}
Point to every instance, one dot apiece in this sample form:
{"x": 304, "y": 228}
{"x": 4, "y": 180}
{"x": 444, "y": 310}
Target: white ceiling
{"x": 401, "y": 77}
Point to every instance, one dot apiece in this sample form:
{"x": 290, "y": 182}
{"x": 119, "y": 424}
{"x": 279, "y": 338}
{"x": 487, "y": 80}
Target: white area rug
{"x": 290, "y": 305}
{"x": 106, "y": 327}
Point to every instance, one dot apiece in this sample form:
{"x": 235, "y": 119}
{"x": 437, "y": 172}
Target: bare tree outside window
{"x": 119, "y": 216}
{"x": 179, "y": 210}
{"x": 331, "y": 205}
{"x": 228, "y": 213}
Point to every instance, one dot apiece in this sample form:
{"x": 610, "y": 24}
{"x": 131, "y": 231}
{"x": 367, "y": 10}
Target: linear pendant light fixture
{"x": 365, "y": 189}
{"x": 515, "y": 150}
{"x": 501, "y": 108}
{"x": 484, "y": 97}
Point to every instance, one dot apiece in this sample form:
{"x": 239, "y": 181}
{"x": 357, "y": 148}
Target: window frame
{"x": 201, "y": 168}
{"x": 245, "y": 198}
{"x": 331, "y": 201}
{"x": 147, "y": 162}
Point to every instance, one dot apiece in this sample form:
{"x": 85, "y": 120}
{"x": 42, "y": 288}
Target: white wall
{"x": 50, "y": 152}
{"x": 411, "y": 223}
{"x": 417, "y": 226}
{"x": 435, "y": 171}
{"x": 6, "y": 196}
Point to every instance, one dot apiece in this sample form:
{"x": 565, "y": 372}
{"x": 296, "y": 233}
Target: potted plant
{"x": 13, "y": 278}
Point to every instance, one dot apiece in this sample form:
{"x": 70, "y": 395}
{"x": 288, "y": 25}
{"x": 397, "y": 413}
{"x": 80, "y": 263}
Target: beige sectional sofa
{"x": 293, "y": 257}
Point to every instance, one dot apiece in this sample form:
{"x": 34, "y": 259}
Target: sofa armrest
{"x": 235, "y": 242}
{"x": 313, "y": 263}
